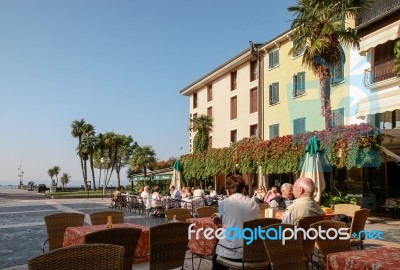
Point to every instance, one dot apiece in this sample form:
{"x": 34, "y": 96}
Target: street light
{"x": 20, "y": 175}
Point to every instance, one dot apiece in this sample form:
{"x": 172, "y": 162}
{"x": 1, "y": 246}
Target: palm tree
{"x": 203, "y": 125}
{"x": 88, "y": 146}
{"x": 397, "y": 57}
{"x": 320, "y": 29}
{"x": 51, "y": 173}
{"x": 65, "y": 178}
{"x": 143, "y": 157}
{"x": 56, "y": 171}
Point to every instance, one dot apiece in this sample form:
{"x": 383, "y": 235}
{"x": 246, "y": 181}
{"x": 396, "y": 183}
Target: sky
{"x": 120, "y": 65}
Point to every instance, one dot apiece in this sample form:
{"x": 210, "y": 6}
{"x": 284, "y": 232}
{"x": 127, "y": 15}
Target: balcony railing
{"x": 379, "y": 11}
{"x": 379, "y": 72}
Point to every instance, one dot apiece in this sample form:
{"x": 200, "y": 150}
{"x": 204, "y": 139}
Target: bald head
{"x": 303, "y": 187}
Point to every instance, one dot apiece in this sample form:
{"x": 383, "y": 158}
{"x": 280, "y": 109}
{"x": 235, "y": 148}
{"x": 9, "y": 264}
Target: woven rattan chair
{"x": 206, "y": 211}
{"x": 56, "y": 225}
{"x": 285, "y": 256}
{"x": 347, "y": 209}
{"x": 126, "y": 237}
{"x": 357, "y": 225}
{"x": 180, "y": 214}
{"x": 327, "y": 246}
{"x": 254, "y": 255}
{"x": 308, "y": 244}
{"x": 168, "y": 244}
{"x": 100, "y": 218}
{"x": 81, "y": 257}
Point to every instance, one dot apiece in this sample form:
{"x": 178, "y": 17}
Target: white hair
{"x": 285, "y": 186}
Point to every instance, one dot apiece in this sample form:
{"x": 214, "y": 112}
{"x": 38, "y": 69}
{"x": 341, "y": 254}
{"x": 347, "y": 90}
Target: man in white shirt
{"x": 304, "y": 206}
{"x": 198, "y": 193}
{"x": 234, "y": 211}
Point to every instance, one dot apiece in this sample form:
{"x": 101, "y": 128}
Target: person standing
{"x": 304, "y": 206}
{"x": 233, "y": 211}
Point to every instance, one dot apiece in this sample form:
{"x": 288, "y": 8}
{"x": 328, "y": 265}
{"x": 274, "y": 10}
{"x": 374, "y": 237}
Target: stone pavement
{"x": 22, "y": 228}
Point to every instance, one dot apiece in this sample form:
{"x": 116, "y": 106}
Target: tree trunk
{"x": 85, "y": 175}
{"x": 92, "y": 169}
{"x": 326, "y": 102}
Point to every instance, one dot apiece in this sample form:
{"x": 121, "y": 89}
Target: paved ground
{"x": 22, "y": 228}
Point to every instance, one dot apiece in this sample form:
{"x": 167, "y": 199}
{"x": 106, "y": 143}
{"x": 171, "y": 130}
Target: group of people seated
{"x": 274, "y": 198}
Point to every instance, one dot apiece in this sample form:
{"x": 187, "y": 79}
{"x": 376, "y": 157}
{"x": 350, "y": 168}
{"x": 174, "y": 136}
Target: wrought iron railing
{"x": 379, "y": 72}
{"x": 379, "y": 11}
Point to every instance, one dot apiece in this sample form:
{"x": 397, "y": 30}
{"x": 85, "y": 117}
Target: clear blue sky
{"x": 118, "y": 64}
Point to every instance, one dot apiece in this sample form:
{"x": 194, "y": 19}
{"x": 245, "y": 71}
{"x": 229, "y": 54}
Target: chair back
{"x": 206, "y": 211}
{"x": 287, "y": 256}
{"x": 347, "y": 209}
{"x": 100, "y": 218}
{"x": 256, "y": 251}
{"x": 180, "y": 214}
{"x": 359, "y": 220}
{"x": 81, "y": 257}
{"x": 56, "y": 225}
{"x": 308, "y": 244}
{"x": 262, "y": 207}
{"x": 126, "y": 237}
{"x": 327, "y": 246}
{"x": 168, "y": 244}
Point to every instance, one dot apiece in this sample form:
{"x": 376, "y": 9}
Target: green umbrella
{"x": 177, "y": 175}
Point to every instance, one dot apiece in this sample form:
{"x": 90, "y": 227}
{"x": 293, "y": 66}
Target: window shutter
{"x": 270, "y": 94}
{"x": 294, "y": 85}
{"x": 338, "y": 117}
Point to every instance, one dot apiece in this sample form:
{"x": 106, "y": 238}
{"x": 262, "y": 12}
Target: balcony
{"x": 379, "y": 72}
{"x": 378, "y": 11}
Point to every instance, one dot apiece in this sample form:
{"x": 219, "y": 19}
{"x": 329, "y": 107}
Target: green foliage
{"x": 397, "y": 57}
{"x": 351, "y": 146}
{"x": 202, "y": 125}
{"x": 329, "y": 199}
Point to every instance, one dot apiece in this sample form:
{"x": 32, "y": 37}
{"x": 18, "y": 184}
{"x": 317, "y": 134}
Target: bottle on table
{"x": 109, "y": 222}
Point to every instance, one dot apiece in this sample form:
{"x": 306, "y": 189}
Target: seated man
{"x": 304, "y": 206}
{"x": 285, "y": 200}
{"x": 198, "y": 193}
{"x": 116, "y": 194}
{"x": 175, "y": 194}
{"x": 234, "y": 211}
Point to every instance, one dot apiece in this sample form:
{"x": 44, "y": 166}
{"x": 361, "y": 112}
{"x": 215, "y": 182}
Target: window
{"x": 273, "y": 58}
{"x": 194, "y": 100}
{"x": 338, "y": 117}
{"x": 337, "y": 72}
{"x": 299, "y": 126}
{"x": 233, "y": 135}
{"x": 233, "y": 80}
{"x": 233, "y": 107}
{"x": 299, "y": 52}
{"x": 194, "y": 115}
{"x": 209, "y": 92}
{"x": 253, "y": 100}
{"x": 209, "y": 111}
{"x": 299, "y": 84}
{"x": 253, "y": 130}
{"x": 253, "y": 70}
{"x": 209, "y": 142}
{"x": 273, "y": 93}
{"x": 273, "y": 131}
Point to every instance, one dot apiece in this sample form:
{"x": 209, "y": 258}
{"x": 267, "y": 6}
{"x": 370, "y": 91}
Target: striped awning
{"x": 379, "y": 103}
{"x": 381, "y": 36}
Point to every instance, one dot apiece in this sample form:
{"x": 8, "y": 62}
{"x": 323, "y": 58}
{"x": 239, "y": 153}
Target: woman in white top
{"x": 156, "y": 200}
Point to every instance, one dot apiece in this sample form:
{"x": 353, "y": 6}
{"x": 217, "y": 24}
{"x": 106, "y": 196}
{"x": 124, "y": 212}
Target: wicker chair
{"x": 327, "y": 246}
{"x": 180, "y": 214}
{"x": 308, "y": 244}
{"x": 168, "y": 244}
{"x": 347, "y": 209}
{"x": 100, "y": 218}
{"x": 56, "y": 225}
{"x": 357, "y": 225}
{"x": 206, "y": 211}
{"x": 254, "y": 255}
{"x": 293, "y": 249}
{"x": 126, "y": 237}
{"x": 81, "y": 257}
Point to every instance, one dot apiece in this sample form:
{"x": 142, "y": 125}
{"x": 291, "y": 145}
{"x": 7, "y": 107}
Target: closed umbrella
{"x": 312, "y": 167}
{"x": 177, "y": 175}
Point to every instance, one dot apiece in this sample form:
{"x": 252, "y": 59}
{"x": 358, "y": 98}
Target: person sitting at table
{"x": 199, "y": 193}
{"x": 304, "y": 206}
{"x": 116, "y": 194}
{"x": 285, "y": 200}
{"x": 156, "y": 200}
{"x": 271, "y": 194}
{"x": 259, "y": 194}
{"x": 175, "y": 194}
{"x": 233, "y": 211}
{"x": 213, "y": 193}
{"x": 188, "y": 193}
{"x": 145, "y": 195}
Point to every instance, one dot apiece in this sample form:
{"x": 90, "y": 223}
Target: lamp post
{"x": 20, "y": 175}
{"x": 88, "y": 183}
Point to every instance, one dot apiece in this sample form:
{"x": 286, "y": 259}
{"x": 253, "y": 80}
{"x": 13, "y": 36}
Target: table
{"x": 329, "y": 216}
{"x": 382, "y": 258}
{"x": 76, "y": 236}
{"x": 202, "y": 246}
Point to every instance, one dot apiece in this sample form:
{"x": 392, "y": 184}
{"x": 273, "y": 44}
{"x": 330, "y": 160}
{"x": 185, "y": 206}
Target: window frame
{"x": 209, "y": 93}
{"x": 254, "y": 100}
{"x": 296, "y": 123}
{"x": 271, "y": 93}
{"x": 234, "y": 82}
{"x": 299, "y": 91}
{"x": 253, "y": 70}
{"x": 233, "y": 109}
{"x": 271, "y": 127}
{"x": 273, "y": 59}
{"x": 253, "y": 127}
{"x": 233, "y": 135}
